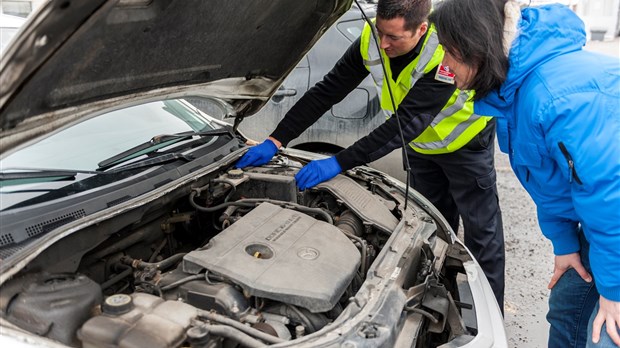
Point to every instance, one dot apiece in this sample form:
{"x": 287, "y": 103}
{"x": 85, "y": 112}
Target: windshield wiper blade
{"x": 37, "y": 173}
{"x": 22, "y": 176}
{"x": 156, "y": 143}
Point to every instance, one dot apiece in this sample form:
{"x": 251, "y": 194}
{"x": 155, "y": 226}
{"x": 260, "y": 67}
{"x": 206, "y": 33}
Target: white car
{"x": 124, "y": 223}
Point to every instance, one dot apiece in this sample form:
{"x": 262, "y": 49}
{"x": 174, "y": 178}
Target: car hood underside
{"x": 75, "y": 53}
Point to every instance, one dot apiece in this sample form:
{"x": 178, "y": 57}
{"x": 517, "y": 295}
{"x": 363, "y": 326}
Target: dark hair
{"x": 413, "y": 11}
{"x": 472, "y": 30}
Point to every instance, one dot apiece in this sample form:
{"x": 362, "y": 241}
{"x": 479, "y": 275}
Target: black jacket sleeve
{"x": 347, "y": 74}
{"x": 423, "y": 102}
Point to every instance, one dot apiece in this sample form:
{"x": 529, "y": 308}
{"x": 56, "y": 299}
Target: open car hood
{"x": 72, "y": 55}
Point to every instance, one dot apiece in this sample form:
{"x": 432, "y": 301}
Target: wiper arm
{"x": 168, "y": 157}
{"x": 156, "y": 143}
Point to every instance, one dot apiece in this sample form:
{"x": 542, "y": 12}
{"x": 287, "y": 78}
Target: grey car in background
{"x": 346, "y": 122}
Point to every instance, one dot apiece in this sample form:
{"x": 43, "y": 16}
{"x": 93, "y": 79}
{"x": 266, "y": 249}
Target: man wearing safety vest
{"x": 451, "y": 148}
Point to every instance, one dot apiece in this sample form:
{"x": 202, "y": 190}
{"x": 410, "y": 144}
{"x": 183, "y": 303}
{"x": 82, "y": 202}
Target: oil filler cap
{"x": 117, "y": 304}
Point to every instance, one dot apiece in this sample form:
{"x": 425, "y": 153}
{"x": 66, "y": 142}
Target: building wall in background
{"x": 19, "y": 8}
{"x": 601, "y": 17}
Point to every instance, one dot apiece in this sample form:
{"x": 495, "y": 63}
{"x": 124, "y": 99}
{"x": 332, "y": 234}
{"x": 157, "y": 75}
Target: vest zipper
{"x": 572, "y": 173}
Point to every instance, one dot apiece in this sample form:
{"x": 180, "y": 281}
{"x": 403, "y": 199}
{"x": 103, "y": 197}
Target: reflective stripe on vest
{"x": 454, "y": 126}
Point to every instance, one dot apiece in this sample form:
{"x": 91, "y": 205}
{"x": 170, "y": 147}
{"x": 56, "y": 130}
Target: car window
{"x": 83, "y": 145}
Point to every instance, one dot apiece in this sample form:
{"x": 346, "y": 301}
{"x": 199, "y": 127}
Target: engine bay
{"x": 241, "y": 258}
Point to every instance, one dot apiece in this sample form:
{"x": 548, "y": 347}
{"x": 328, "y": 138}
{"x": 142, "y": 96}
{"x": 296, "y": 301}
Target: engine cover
{"x": 283, "y": 255}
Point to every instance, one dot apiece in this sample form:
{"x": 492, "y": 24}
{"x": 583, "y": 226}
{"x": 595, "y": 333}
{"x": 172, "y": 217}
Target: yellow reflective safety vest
{"x": 454, "y": 126}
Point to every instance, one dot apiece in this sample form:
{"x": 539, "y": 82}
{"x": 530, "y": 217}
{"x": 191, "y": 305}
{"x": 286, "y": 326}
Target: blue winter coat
{"x": 559, "y": 120}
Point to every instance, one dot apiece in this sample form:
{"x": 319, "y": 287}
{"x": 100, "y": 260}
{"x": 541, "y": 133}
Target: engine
{"x": 277, "y": 253}
{"x": 242, "y": 258}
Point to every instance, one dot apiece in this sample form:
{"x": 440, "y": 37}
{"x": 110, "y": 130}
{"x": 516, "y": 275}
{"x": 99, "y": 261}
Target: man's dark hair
{"x": 413, "y": 11}
{"x": 472, "y": 31}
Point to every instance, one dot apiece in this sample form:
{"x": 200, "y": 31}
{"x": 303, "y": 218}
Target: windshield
{"x": 83, "y": 145}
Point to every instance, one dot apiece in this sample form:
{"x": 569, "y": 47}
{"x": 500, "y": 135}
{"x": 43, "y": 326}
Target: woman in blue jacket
{"x": 558, "y": 118}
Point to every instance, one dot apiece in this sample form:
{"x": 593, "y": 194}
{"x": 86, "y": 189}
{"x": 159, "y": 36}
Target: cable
{"x": 162, "y": 265}
{"x": 424, "y": 313}
{"x": 405, "y": 156}
{"x": 182, "y": 281}
{"x": 253, "y": 202}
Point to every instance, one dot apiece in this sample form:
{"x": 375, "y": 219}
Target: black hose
{"x": 349, "y": 222}
{"x": 362, "y": 249}
{"x": 235, "y": 335}
{"x": 304, "y": 318}
{"x": 182, "y": 281}
{"x": 317, "y": 211}
{"x": 252, "y": 202}
{"x": 116, "y": 278}
{"x": 312, "y": 321}
{"x": 136, "y": 237}
{"x": 151, "y": 286}
{"x": 241, "y": 327}
{"x": 158, "y": 250}
{"x": 353, "y": 227}
{"x": 214, "y": 208}
{"x": 232, "y": 187}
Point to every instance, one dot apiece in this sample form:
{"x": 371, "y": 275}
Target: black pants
{"x": 462, "y": 184}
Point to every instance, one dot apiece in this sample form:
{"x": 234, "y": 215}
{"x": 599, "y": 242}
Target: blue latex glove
{"x": 316, "y": 172}
{"x": 258, "y": 155}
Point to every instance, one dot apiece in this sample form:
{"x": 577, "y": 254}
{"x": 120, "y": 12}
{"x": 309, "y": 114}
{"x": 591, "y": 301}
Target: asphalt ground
{"x": 529, "y": 257}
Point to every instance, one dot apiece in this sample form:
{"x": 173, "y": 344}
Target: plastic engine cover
{"x": 283, "y": 255}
